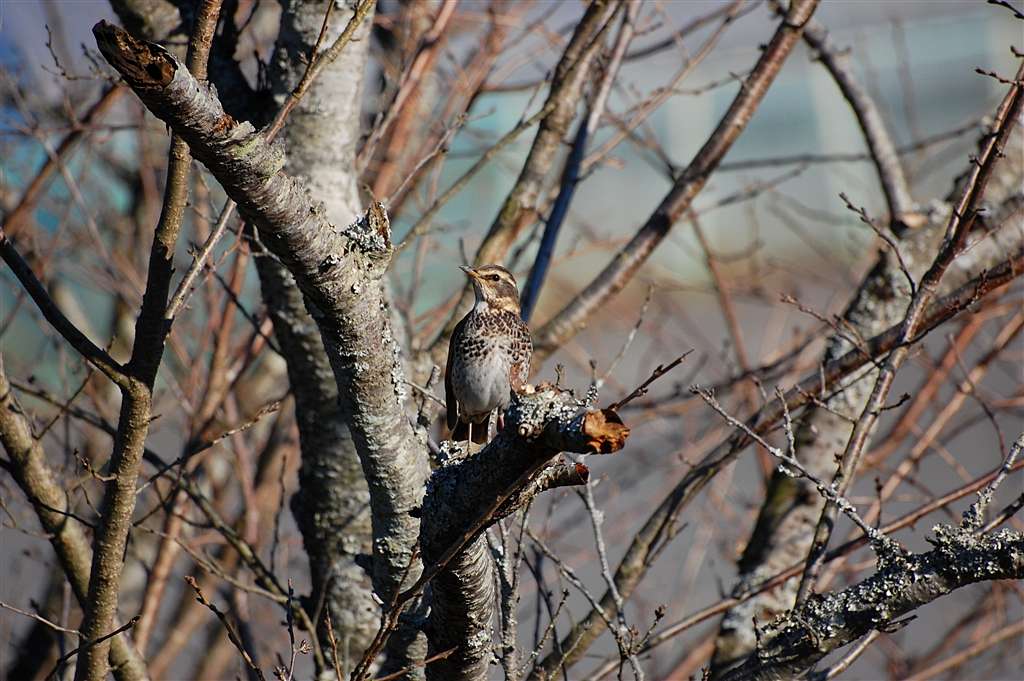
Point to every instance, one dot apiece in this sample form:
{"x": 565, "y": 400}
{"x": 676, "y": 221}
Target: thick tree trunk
{"x": 339, "y": 270}
{"x": 332, "y": 507}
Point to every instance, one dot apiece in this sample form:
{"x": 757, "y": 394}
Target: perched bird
{"x": 488, "y": 355}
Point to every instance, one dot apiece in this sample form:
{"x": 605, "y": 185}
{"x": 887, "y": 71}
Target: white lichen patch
{"x": 545, "y": 409}
{"x": 370, "y": 233}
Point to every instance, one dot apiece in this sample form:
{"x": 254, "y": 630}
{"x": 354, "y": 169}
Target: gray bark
{"x": 332, "y": 507}
{"x": 466, "y": 495}
{"x": 793, "y": 644}
{"x": 339, "y": 271}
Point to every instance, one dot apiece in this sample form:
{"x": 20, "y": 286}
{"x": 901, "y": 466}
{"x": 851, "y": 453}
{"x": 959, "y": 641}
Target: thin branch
{"x": 78, "y": 340}
{"x": 38, "y": 618}
{"x": 960, "y": 222}
{"x": 16, "y": 218}
{"x": 320, "y": 62}
{"x": 792, "y": 467}
{"x": 574, "y": 316}
{"x": 1011, "y": 632}
{"x": 151, "y": 332}
{"x": 974, "y": 517}
{"x": 658, "y": 372}
{"x": 571, "y": 171}
{"x": 794, "y": 642}
{"x": 232, "y": 634}
{"x": 903, "y": 211}
{"x": 1004, "y": 3}
{"x": 654, "y": 531}
{"x": 89, "y": 645}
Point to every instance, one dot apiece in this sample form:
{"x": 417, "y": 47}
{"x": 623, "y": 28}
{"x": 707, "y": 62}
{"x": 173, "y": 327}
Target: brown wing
{"x": 522, "y": 353}
{"x": 451, "y": 404}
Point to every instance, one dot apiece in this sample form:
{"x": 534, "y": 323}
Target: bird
{"x": 488, "y": 355}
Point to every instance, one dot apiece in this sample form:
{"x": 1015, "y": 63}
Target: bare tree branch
{"x": 46, "y": 494}
{"x": 519, "y": 207}
{"x": 780, "y": 535}
{"x": 575, "y": 315}
{"x": 151, "y": 331}
{"x": 954, "y": 239}
{"x": 902, "y": 209}
{"x": 338, "y": 270}
{"x": 538, "y": 426}
{"x": 332, "y": 508}
{"x": 795, "y": 642}
{"x": 658, "y": 525}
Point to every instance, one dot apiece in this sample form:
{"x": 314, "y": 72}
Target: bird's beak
{"x": 470, "y": 272}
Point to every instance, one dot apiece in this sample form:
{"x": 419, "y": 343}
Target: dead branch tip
{"x": 141, "y": 63}
{"x": 605, "y": 431}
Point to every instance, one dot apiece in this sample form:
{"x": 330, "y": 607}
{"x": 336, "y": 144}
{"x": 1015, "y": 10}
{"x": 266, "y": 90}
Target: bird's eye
{"x": 493, "y": 277}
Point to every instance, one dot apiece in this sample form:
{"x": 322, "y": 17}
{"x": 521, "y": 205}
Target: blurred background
{"x": 772, "y": 216}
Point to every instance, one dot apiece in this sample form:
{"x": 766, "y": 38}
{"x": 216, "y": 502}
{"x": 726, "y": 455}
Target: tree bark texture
{"x": 485, "y": 487}
{"x": 332, "y": 507}
{"x": 339, "y": 271}
{"x": 791, "y": 645}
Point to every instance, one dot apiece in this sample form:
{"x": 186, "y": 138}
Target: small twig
{"x": 288, "y": 673}
{"x": 973, "y": 516}
{"x": 89, "y": 644}
{"x": 658, "y": 372}
{"x": 570, "y": 576}
{"x": 1003, "y": 3}
{"x": 840, "y": 327}
{"x": 1011, "y": 510}
{"x": 425, "y": 391}
{"x": 232, "y": 634}
{"x": 265, "y": 410}
{"x": 792, "y": 467}
{"x": 622, "y": 634}
{"x": 402, "y": 672}
{"x": 548, "y": 630}
{"x": 317, "y": 64}
{"x": 573, "y": 164}
{"x": 848, "y": 659}
{"x": 439, "y": 149}
{"x": 993, "y": 74}
{"x": 38, "y": 618}
{"x": 334, "y": 645}
{"x": 863, "y": 215}
{"x": 184, "y": 289}
{"x": 599, "y": 382}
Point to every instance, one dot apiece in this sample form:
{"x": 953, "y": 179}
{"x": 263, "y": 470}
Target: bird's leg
{"x": 500, "y": 422}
